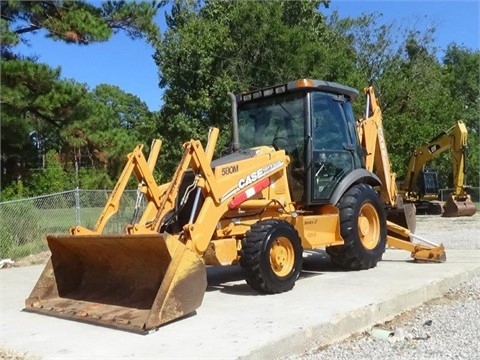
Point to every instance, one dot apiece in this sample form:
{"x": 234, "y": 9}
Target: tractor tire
{"x": 363, "y": 226}
{"x": 271, "y": 256}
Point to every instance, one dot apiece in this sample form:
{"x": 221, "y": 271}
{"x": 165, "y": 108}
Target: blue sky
{"x": 129, "y": 64}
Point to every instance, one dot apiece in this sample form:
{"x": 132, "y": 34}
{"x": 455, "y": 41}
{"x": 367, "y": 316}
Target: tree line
{"x": 57, "y": 134}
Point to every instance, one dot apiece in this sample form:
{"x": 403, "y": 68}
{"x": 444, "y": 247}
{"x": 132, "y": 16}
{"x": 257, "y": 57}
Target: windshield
{"x": 275, "y": 121}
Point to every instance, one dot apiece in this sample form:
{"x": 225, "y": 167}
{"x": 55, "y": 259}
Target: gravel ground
{"x": 444, "y": 328}
{"x": 458, "y": 233}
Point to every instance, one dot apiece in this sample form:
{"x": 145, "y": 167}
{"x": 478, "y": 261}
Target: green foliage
{"x": 40, "y": 111}
{"x": 109, "y": 123}
{"x": 6, "y": 245}
{"x": 461, "y": 77}
{"x": 208, "y": 49}
{"x": 36, "y": 103}
{"x": 53, "y": 178}
{"x": 135, "y": 18}
{"x": 13, "y": 191}
{"x": 35, "y": 90}
{"x": 77, "y": 22}
{"x": 213, "y": 47}
{"x": 420, "y": 96}
{"x": 7, "y": 38}
{"x": 94, "y": 178}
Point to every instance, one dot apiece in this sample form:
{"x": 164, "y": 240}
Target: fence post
{"x": 77, "y": 205}
{"x": 442, "y": 195}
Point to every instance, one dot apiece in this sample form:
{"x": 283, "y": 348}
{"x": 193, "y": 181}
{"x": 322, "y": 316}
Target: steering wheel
{"x": 277, "y": 142}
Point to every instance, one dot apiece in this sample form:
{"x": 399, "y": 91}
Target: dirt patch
{"x": 40, "y": 258}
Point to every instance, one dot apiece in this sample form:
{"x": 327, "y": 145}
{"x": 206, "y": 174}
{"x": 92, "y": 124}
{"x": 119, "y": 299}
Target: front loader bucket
{"x": 130, "y": 282}
{"x": 459, "y": 207}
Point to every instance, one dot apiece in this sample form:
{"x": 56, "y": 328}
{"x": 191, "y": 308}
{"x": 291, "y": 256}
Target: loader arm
{"x": 143, "y": 169}
{"x": 221, "y": 193}
{"x": 146, "y": 277}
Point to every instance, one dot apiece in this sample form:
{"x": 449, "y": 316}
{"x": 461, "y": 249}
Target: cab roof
{"x": 327, "y": 86}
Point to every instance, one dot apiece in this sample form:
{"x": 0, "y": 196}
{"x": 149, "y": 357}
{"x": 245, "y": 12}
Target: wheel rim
{"x": 282, "y": 256}
{"x": 369, "y": 226}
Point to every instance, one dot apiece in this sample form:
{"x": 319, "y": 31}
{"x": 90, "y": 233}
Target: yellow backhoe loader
{"x": 297, "y": 178}
{"x": 420, "y": 185}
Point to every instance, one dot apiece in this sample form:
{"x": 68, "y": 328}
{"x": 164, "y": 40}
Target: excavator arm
{"x": 455, "y": 139}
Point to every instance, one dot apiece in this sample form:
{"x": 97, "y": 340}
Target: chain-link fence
{"x": 24, "y": 223}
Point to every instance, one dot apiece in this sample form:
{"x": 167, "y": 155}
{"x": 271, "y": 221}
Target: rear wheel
{"x": 271, "y": 256}
{"x": 363, "y": 227}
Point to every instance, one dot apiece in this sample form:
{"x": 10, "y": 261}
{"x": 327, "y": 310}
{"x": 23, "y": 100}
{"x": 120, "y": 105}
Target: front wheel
{"x": 363, "y": 226}
{"x": 271, "y": 256}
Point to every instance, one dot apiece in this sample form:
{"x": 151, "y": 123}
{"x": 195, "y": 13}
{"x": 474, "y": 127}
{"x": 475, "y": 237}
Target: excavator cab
{"x": 427, "y": 195}
{"x": 428, "y": 184}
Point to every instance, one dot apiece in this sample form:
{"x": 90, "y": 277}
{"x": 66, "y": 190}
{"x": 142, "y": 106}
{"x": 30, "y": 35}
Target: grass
{"x": 26, "y": 238}
{"x": 60, "y": 220}
{"x": 23, "y": 232}
{"x": 27, "y": 249}
{"x": 57, "y": 219}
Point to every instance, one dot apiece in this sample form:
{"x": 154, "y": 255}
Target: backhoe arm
{"x": 372, "y": 138}
{"x": 431, "y": 253}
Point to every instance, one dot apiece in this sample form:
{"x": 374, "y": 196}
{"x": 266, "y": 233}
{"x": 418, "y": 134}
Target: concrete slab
{"x": 326, "y": 305}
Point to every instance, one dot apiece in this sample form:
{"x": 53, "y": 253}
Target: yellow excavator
{"x": 420, "y": 185}
{"x": 302, "y": 174}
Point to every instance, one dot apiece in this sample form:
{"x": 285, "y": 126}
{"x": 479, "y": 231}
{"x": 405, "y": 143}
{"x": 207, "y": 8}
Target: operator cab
{"x": 313, "y": 122}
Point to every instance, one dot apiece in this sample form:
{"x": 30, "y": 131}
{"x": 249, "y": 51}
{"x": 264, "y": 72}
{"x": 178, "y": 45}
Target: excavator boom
{"x": 459, "y": 202}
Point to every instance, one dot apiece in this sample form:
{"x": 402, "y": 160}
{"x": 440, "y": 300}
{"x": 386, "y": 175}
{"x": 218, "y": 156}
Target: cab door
{"x": 332, "y": 145}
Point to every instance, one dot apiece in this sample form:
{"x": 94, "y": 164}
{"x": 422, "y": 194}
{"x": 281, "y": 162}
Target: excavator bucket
{"x": 459, "y": 207}
{"x": 129, "y": 282}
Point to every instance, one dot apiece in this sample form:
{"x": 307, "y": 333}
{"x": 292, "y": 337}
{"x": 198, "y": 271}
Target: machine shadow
{"x": 230, "y": 279}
